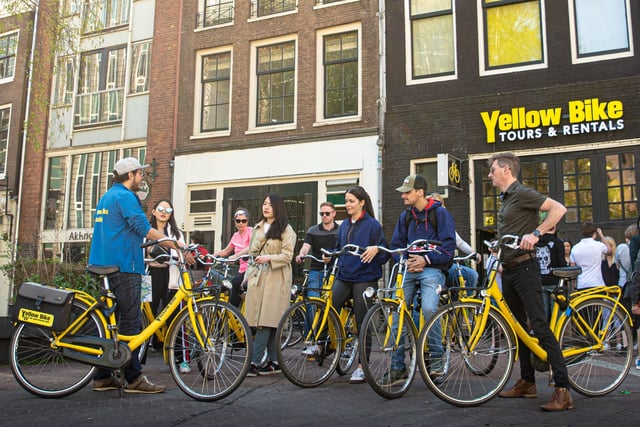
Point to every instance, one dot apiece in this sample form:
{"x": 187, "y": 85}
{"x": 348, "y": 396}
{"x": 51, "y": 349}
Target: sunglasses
{"x": 241, "y": 221}
{"x": 162, "y": 209}
{"x": 325, "y": 213}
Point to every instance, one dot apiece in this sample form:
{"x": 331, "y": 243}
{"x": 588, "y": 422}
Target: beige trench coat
{"x": 269, "y": 296}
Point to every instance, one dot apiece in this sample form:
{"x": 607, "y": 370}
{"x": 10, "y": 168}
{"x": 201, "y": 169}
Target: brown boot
{"x": 521, "y": 389}
{"x": 560, "y": 401}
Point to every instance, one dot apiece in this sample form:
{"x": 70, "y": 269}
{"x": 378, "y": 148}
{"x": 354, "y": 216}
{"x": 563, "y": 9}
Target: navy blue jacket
{"x": 419, "y": 228}
{"x": 366, "y": 231}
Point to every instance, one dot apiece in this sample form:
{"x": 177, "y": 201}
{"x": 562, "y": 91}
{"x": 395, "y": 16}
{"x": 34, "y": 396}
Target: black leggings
{"x": 237, "y": 290}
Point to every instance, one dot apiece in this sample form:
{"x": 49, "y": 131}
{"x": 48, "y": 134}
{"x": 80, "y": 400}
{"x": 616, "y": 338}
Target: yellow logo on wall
{"x": 585, "y": 116}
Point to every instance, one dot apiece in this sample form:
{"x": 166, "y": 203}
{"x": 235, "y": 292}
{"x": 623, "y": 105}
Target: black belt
{"x": 518, "y": 260}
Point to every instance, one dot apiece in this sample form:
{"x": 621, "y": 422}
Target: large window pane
{"x": 432, "y": 38}
{"x": 513, "y": 33}
{"x": 341, "y": 74}
{"x": 216, "y": 79}
{"x": 5, "y": 115}
{"x": 8, "y": 49}
{"x": 276, "y": 84}
{"x": 601, "y": 26}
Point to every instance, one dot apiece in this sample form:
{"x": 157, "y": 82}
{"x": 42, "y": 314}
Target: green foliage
{"x": 50, "y": 272}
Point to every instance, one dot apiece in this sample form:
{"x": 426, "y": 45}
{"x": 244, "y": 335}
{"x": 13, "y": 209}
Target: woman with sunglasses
{"x": 163, "y": 275}
{"x": 238, "y": 245}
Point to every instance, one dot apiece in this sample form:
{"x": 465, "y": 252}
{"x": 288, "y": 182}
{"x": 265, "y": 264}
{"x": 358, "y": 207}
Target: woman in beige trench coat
{"x": 269, "y": 281}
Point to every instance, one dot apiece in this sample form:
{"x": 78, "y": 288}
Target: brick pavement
{"x": 272, "y": 400}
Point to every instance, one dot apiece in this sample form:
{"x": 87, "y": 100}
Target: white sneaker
{"x": 185, "y": 368}
{"x": 638, "y": 363}
{"x": 607, "y": 347}
{"x": 619, "y": 347}
{"x": 310, "y": 350}
{"x": 357, "y": 377}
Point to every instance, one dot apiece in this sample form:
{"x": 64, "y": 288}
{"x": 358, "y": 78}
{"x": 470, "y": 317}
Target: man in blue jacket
{"x": 119, "y": 230}
{"x": 425, "y": 218}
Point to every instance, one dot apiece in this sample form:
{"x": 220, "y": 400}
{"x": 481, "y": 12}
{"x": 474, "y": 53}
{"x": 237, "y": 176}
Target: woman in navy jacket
{"x": 356, "y": 273}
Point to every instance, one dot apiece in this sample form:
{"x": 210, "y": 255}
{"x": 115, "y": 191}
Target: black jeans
{"x": 126, "y": 288}
{"x": 236, "y": 291}
{"x": 522, "y": 290}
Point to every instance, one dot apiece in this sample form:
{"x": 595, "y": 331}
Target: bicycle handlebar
{"x": 349, "y": 248}
{"x": 221, "y": 260}
{"x": 511, "y": 242}
{"x": 465, "y": 258}
{"x": 417, "y": 246}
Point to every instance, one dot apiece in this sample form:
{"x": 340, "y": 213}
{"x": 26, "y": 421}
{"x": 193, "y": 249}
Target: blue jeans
{"x": 265, "y": 338}
{"x": 314, "y": 284}
{"x": 126, "y": 287}
{"x": 428, "y": 282}
{"x": 469, "y": 275}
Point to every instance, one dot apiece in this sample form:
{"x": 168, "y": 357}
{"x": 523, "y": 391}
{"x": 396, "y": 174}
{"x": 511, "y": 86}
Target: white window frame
{"x": 320, "y": 75}
{"x": 6, "y": 107}
{"x": 408, "y": 35}
{"x": 253, "y": 86}
{"x": 136, "y": 54}
{"x": 197, "y": 102}
{"x": 576, "y": 59}
{"x": 516, "y": 68}
{"x": 10, "y": 78}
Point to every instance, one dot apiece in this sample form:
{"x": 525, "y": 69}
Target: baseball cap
{"x": 128, "y": 164}
{"x": 412, "y": 182}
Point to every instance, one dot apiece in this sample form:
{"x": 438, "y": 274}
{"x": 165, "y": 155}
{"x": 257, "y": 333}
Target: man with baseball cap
{"x": 119, "y": 230}
{"x": 425, "y": 218}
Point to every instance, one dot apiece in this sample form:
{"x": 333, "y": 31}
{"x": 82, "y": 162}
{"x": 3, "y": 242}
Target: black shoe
{"x": 269, "y": 368}
{"x": 253, "y": 370}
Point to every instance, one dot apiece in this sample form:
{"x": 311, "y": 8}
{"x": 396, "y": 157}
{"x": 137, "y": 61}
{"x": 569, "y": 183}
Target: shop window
{"x": 55, "y": 203}
{"x": 512, "y": 34}
{"x": 576, "y": 182}
{"x": 490, "y": 200}
{"x": 432, "y": 38}
{"x": 600, "y": 29}
{"x": 536, "y": 176}
{"x": 621, "y": 186}
{"x": 335, "y": 194}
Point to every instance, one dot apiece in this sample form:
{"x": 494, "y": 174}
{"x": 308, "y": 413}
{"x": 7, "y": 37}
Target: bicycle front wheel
{"x": 388, "y": 358}
{"x": 209, "y": 360}
{"x": 597, "y": 371}
{"x": 42, "y": 369}
{"x": 309, "y": 352}
{"x": 461, "y": 364}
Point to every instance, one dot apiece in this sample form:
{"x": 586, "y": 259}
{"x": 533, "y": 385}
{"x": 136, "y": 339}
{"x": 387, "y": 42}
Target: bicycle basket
{"x": 43, "y": 305}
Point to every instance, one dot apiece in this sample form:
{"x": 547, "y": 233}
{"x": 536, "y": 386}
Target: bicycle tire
{"x": 351, "y": 344}
{"x": 43, "y": 370}
{"x": 217, "y": 368}
{"x": 597, "y": 372}
{"x": 314, "y": 369}
{"x": 467, "y": 378}
{"x": 377, "y": 340}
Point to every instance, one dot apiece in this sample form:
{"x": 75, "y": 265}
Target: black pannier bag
{"x": 44, "y": 306}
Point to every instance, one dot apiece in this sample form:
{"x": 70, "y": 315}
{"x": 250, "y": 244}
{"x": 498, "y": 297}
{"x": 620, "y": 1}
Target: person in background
{"x": 608, "y": 266}
{"x": 469, "y": 274}
{"x": 319, "y": 236}
{"x": 587, "y": 254}
{"x": 269, "y": 281}
{"x": 567, "y": 251}
{"x": 634, "y": 282}
{"x": 198, "y": 269}
{"x": 120, "y": 228}
{"x": 238, "y": 246}
{"x": 163, "y": 273}
{"x": 521, "y": 281}
{"x": 550, "y": 254}
{"x": 355, "y": 274}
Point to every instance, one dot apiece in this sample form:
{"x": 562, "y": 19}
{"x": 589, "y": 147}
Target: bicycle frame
{"x": 494, "y": 300}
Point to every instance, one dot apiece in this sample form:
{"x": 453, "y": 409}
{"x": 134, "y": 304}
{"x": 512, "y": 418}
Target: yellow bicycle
{"x": 208, "y": 333}
{"x": 479, "y": 340}
{"x": 315, "y": 340}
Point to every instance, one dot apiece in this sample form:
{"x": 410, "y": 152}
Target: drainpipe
{"x": 382, "y": 100}
{"x": 176, "y": 96}
{"x": 25, "y": 132}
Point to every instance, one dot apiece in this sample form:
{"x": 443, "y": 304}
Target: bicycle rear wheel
{"x": 597, "y": 372}
{"x": 350, "y": 352}
{"x": 216, "y": 368}
{"x": 456, "y": 371}
{"x": 43, "y": 370}
{"x": 380, "y": 346}
{"x": 308, "y": 356}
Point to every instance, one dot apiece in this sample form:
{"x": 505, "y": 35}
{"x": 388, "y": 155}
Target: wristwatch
{"x": 536, "y": 233}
